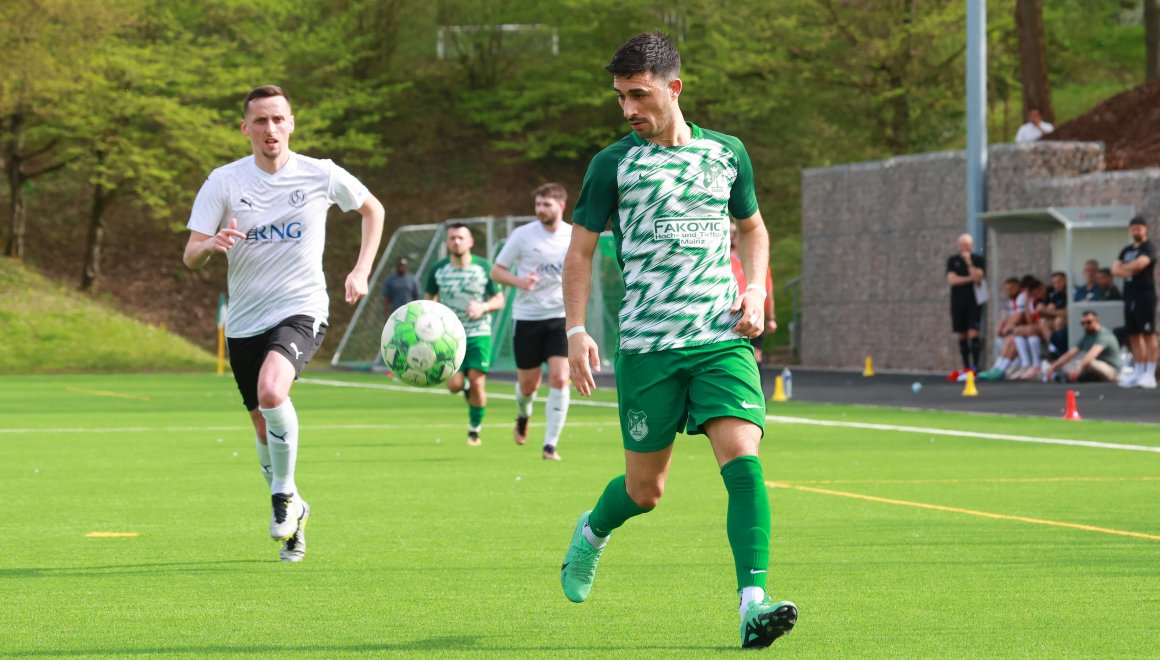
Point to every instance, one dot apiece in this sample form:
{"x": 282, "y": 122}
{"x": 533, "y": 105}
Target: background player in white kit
{"x": 267, "y": 214}
{"x": 537, "y": 251}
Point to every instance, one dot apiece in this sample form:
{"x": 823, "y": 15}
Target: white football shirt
{"x": 533, "y": 249}
{"x": 277, "y": 271}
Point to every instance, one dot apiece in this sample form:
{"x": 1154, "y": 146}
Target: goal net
{"x": 423, "y": 245}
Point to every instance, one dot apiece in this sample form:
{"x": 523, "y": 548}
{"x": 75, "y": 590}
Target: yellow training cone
{"x": 970, "y": 389}
{"x": 869, "y": 370}
{"x": 778, "y": 390}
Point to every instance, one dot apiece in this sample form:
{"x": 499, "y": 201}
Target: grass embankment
{"x": 47, "y": 328}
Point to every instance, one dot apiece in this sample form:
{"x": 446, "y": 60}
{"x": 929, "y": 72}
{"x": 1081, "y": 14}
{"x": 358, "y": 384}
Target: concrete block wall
{"x": 876, "y": 236}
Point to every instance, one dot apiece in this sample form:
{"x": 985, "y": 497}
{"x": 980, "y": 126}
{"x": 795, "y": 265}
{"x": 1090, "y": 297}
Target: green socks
{"x": 748, "y": 520}
{"x": 614, "y": 508}
{"x": 475, "y": 417}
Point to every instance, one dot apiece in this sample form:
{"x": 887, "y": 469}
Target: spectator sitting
{"x": 1034, "y": 129}
{"x": 1107, "y": 285}
{"x": 1090, "y": 289}
{"x": 1012, "y": 312}
{"x": 1028, "y": 335}
{"x": 1053, "y": 315}
{"x": 1095, "y": 358}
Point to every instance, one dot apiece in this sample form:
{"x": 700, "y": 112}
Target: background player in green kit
{"x": 667, "y": 190}
{"x": 461, "y": 282}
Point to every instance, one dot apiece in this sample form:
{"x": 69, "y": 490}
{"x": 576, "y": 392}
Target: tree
{"x": 1033, "y": 58}
{"x": 152, "y": 123}
{"x": 44, "y": 48}
{"x": 1151, "y": 40}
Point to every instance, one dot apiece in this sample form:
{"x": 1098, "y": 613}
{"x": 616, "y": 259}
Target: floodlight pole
{"x": 976, "y": 119}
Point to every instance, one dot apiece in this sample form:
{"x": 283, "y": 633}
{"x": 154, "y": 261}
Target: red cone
{"x": 1072, "y": 412}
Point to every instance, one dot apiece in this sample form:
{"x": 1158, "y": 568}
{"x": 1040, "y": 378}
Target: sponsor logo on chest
{"x": 690, "y": 232}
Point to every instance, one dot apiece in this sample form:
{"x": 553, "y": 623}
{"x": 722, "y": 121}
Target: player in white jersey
{"x": 532, "y": 260}
{"x": 267, "y": 214}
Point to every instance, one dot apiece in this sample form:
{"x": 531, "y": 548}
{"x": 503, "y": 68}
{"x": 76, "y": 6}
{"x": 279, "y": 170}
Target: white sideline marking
{"x": 438, "y": 391}
{"x": 961, "y": 434}
{"x": 322, "y": 427}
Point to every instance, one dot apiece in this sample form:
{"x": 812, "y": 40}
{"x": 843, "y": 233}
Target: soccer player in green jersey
{"x": 462, "y": 283}
{"x": 668, "y": 190}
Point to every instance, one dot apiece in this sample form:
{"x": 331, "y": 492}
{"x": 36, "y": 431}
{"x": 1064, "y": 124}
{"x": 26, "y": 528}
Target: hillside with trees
{"x": 113, "y": 113}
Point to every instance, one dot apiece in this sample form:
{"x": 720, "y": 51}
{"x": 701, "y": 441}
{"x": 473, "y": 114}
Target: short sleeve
{"x": 980, "y": 263}
{"x": 742, "y": 198}
{"x": 599, "y": 195}
{"x": 950, "y": 264}
{"x": 432, "y": 283}
{"x": 491, "y": 288}
{"x": 510, "y": 253}
{"x": 210, "y": 207}
{"x": 345, "y": 190}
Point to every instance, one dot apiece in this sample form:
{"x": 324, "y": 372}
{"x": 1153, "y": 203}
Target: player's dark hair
{"x": 551, "y": 191}
{"x": 1029, "y": 282}
{"x": 264, "y": 92}
{"x": 1011, "y": 280}
{"x": 1106, "y": 271}
{"x": 457, "y": 225}
{"x": 1060, "y": 273}
{"x": 648, "y": 51}
{"x": 1090, "y": 312}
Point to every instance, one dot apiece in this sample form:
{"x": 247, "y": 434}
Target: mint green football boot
{"x": 579, "y": 568}
{"x": 765, "y": 621}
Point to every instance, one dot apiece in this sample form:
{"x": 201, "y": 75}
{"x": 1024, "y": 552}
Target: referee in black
{"x": 965, "y": 269}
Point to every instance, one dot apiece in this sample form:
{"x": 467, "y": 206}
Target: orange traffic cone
{"x": 869, "y": 370}
{"x": 1072, "y": 411}
{"x": 970, "y": 389}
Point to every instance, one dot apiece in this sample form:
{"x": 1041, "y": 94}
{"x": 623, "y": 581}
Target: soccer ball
{"x": 423, "y": 343}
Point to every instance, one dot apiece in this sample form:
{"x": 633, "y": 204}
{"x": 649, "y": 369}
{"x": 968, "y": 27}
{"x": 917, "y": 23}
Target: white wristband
{"x": 758, "y": 288}
{"x": 575, "y": 330}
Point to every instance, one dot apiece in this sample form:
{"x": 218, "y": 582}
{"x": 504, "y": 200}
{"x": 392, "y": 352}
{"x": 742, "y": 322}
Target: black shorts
{"x": 757, "y": 342}
{"x": 536, "y": 341}
{"x": 1140, "y": 315}
{"x": 966, "y": 317}
{"x": 294, "y": 337}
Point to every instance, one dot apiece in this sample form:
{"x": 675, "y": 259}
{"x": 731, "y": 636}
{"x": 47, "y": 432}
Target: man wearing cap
{"x": 1135, "y": 266}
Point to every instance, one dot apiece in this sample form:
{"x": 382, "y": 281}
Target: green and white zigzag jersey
{"x": 458, "y": 286}
{"x": 669, "y": 209}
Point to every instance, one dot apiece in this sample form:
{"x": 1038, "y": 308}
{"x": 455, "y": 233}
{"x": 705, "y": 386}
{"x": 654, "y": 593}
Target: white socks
{"x": 555, "y": 412}
{"x": 750, "y": 594}
{"x": 1024, "y": 351}
{"x": 282, "y": 436}
{"x": 1036, "y": 345}
{"x": 524, "y": 403}
{"x": 264, "y": 459}
{"x": 1002, "y": 363}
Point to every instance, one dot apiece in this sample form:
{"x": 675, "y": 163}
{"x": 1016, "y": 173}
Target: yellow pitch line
{"x": 995, "y": 480}
{"x": 969, "y": 512}
{"x": 119, "y": 395}
{"x": 111, "y": 535}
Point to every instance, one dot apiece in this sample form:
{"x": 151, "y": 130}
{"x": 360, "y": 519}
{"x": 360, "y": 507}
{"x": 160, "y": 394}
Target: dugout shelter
{"x": 1077, "y": 234}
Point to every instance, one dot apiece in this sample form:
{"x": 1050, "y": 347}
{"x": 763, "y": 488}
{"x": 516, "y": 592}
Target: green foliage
{"x": 50, "y": 329}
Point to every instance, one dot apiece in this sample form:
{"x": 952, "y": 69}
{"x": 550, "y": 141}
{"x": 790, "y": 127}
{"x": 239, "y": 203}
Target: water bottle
{"x": 787, "y": 381}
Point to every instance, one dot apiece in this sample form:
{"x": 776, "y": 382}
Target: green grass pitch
{"x": 422, "y": 546}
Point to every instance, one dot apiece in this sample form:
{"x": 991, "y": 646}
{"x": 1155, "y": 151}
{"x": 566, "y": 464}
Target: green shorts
{"x": 660, "y": 393}
{"x": 478, "y": 354}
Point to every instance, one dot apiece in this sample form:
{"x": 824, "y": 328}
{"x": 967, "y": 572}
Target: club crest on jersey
{"x": 690, "y": 232}
{"x": 297, "y": 198}
{"x": 715, "y": 179}
{"x": 637, "y": 424}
